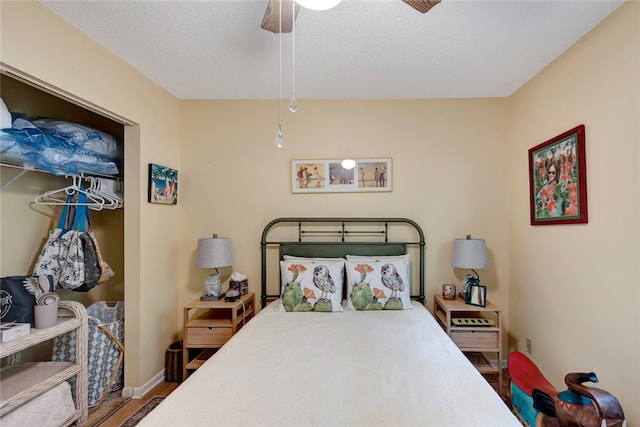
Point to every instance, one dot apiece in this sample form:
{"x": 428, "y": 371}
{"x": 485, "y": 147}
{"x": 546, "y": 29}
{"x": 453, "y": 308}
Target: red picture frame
{"x": 558, "y": 179}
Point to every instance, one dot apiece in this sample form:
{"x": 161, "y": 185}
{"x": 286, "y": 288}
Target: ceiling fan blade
{"x": 271, "y": 20}
{"x": 422, "y": 6}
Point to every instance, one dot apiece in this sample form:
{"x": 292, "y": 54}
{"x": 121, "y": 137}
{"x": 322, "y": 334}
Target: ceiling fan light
{"x": 318, "y": 4}
{"x": 348, "y": 163}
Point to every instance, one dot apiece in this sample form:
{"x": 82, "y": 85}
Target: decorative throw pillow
{"x": 378, "y": 283}
{"x": 311, "y": 285}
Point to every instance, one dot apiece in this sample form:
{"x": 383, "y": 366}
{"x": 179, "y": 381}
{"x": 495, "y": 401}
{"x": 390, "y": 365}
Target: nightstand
{"x": 474, "y": 340}
{"x": 210, "y": 324}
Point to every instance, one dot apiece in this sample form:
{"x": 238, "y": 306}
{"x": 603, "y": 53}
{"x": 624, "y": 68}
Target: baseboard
{"x": 140, "y": 392}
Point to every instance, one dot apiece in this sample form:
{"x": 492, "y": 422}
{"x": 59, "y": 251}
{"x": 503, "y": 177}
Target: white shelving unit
{"x": 21, "y": 382}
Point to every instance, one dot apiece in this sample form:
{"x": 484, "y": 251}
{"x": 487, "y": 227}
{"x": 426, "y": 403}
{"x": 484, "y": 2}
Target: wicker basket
{"x": 173, "y": 363}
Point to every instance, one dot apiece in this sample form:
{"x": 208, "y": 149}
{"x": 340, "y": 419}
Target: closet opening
{"x": 26, "y": 222}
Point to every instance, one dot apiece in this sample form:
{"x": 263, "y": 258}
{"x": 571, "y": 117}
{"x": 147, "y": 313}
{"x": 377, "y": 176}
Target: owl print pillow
{"x": 311, "y": 285}
{"x": 378, "y": 283}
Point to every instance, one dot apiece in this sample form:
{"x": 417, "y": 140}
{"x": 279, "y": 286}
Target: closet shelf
{"x": 28, "y": 168}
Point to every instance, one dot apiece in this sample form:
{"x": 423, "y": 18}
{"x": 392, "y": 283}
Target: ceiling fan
{"x": 270, "y": 22}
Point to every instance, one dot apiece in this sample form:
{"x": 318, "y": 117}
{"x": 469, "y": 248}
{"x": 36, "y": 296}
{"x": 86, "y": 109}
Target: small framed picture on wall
{"x": 163, "y": 185}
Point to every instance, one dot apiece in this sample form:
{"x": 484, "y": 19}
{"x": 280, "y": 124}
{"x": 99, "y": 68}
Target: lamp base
{"x": 468, "y": 281}
{"x": 212, "y": 286}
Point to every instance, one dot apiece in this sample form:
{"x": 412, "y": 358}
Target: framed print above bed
{"x": 558, "y": 179}
{"x": 349, "y": 175}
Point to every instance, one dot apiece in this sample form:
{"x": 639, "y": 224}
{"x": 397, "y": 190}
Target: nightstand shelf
{"x": 210, "y": 324}
{"x": 202, "y": 357}
{"x": 474, "y": 341}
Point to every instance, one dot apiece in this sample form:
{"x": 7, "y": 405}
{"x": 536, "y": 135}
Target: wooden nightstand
{"x": 473, "y": 340}
{"x": 212, "y": 324}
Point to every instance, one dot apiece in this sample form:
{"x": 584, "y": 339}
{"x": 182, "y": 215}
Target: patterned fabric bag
{"x": 62, "y": 256}
{"x": 72, "y": 271}
{"x": 106, "y": 272}
{"x": 91, "y": 267}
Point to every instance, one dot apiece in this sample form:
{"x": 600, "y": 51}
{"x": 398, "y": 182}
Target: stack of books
{"x": 13, "y": 330}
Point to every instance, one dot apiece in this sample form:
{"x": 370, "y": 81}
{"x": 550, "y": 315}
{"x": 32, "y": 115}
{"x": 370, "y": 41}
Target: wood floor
{"x": 115, "y": 410}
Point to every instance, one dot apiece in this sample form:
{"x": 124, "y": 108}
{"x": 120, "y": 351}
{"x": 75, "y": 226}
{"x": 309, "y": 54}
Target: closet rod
{"x": 26, "y": 169}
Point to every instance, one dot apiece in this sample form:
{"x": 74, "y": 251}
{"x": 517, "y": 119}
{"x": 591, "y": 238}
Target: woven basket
{"x": 173, "y": 363}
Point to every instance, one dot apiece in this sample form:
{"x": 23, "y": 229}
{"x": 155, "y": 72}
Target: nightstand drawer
{"x": 475, "y": 339}
{"x": 208, "y": 336}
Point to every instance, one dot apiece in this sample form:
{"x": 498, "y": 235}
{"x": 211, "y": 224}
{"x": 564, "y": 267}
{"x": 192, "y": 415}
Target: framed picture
{"x": 558, "y": 180}
{"x": 477, "y": 295}
{"x": 163, "y": 185}
{"x": 330, "y": 176}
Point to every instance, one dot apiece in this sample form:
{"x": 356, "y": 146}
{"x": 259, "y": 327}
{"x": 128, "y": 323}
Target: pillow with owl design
{"x": 378, "y": 283}
{"x": 311, "y": 285}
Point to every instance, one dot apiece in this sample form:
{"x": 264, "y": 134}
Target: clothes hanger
{"x": 59, "y": 196}
{"x": 102, "y": 188}
{"x": 111, "y": 189}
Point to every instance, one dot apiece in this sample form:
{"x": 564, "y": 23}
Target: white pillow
{"x": 311, "y": 285}
{"x": 5, "y": 116}
{"x": 84, "y": 136}
{"x": 378, "y": 283}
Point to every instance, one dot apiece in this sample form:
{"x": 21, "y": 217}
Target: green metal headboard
{"x": 338, "y": 237}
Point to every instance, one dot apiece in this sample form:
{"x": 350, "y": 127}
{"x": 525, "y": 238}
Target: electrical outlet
{"x": 529, "y": 346}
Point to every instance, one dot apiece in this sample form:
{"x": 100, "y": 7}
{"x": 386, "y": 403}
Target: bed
{"x": 361, "y": 364}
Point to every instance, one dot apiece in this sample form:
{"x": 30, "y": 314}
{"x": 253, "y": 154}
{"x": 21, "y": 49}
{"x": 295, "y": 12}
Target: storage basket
{"x": 105, "y": 349}
{"x": 173, "y": 363}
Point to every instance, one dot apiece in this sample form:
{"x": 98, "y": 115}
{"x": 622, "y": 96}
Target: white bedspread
{"x": 380, "y": 368}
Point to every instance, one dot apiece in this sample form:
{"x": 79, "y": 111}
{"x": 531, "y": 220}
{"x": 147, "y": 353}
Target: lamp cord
{"x": 244, "y": 317}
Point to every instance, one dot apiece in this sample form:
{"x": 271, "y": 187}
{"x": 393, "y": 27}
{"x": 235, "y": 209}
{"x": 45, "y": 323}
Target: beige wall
{"x": 445, "y": 152}
{"x": 574, "y": 289}
{"x": 459, "y": 168}
{"x": 72, "y": 61}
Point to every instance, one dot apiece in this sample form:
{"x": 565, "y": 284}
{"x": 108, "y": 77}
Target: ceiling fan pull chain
{"x": 293, "y": 104}
{"x": 279, "y": 141}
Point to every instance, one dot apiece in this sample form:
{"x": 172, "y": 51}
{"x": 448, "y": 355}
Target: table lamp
{"x": 213, "y": 252}
{"x": 469, "y": 253}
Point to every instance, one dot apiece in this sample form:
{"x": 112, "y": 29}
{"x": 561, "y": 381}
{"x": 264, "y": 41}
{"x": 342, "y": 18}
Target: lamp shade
{"x": 214, "y": 252}
{"x": 469, "y": 253}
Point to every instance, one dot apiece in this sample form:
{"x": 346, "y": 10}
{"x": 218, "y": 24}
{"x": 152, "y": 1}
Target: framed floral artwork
{"x": 558, "y": 179}
{"x": 349, "y": 175}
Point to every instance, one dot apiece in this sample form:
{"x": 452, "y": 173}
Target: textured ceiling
{"x": 361, "y": 49}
